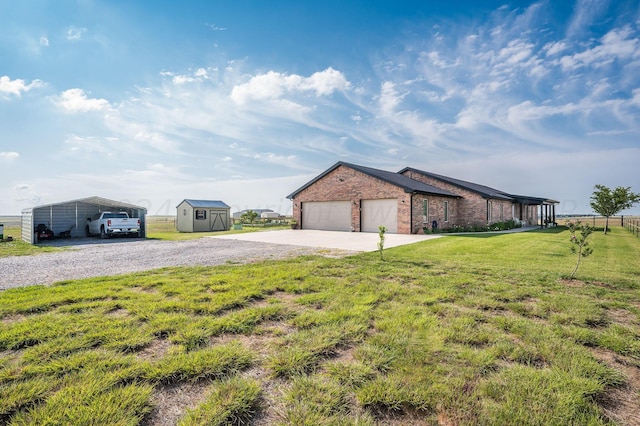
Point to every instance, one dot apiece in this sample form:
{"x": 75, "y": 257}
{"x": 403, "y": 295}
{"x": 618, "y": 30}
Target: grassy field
{"x": 462, "y": 330}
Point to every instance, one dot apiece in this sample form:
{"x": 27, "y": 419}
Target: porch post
{"x": 541, "y": 216}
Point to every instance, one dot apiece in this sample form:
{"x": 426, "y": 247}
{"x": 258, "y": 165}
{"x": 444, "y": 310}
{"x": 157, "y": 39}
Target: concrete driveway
{"x": 352, "y": 241}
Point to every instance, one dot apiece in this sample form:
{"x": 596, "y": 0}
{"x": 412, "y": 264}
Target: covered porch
{"x": 535, "y": 211}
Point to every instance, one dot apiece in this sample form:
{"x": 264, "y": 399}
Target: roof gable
{"x": 407, "y": 184}
{"x": 216, "y": 204}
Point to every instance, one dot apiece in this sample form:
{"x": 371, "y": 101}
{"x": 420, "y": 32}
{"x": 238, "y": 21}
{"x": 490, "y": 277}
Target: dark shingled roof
{"x": 409, "y": 185}
{"x": 484, "y": 191}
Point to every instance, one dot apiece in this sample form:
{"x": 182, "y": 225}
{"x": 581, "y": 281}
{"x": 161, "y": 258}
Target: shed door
{"x": 379, "y": 212}
{"x": 218, "y": 220}
{"x": 327, "y": 215}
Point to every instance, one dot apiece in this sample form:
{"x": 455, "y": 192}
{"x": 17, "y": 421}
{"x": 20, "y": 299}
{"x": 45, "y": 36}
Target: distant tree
{"x": 249, "y": 216}
{"x": 579, "y": 243}
{"x": 607, "y": 202}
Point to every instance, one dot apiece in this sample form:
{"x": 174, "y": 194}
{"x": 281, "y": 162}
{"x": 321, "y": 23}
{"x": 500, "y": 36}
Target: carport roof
{"x": 93, "y": 200}
{"x": 409, "y": 185}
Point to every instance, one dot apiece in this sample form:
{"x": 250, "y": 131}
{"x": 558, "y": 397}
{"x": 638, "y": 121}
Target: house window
{"x": 425, "y": 210}
{"x": 489, "y": 216}
{"x": 446, "y": 211}
{"x": 184, "y": 212}
{"x": 201, "y": 214}
{"x": 501, "y": 212}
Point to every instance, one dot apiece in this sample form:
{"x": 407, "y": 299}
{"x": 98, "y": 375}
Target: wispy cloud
{"x": 75, "y": 33}
{"x": 9, "y": 156}
{"x": 215, "y": 27}
{"x": 586, "y": 13}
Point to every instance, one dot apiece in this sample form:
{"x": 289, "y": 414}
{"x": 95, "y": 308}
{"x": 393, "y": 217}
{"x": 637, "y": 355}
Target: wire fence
{"x": 633, "y": 225}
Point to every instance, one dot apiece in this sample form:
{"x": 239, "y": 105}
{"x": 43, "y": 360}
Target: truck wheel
{"x": 87, "y": 232}
{"x": 103, "y": 234}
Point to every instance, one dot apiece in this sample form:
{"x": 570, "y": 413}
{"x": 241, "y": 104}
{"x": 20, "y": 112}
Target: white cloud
{"x": 16, "y": 87}
{"x": 75, "y": 100}
{"x": 389, "y": 97}
{"x": 325, "y": 82}
{"x": 553, "y": 48}
{"x": 619, "y": 43}
{"x": 214, "y": 27}
{"x": 274, "y": 85}
{"x": 75, "y": 33}
{"x": 586, "y": 12}
{"x": 8, "y": 156}
{"x": 44, "y": 41}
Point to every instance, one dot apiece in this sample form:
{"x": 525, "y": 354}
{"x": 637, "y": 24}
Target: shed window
{"x": 184, "y": 212}
{"x": 446, "y": 211}
{"x": 201, "y": 214}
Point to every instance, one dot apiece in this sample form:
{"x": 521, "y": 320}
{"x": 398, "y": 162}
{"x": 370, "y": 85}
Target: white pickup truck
{"x": 107, "y": 224}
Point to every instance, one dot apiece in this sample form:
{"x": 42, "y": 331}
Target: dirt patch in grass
{"x": 409, "y": 418}
{"x": 622, "y": 316}
{"x": 118, "y": 313}
{"x": 344, "y": 355}
{"x": 156, "y": 350}
{"x": 172, "y": 402}
{"x": 12, "y": 318}
{"x": 271, "y": 405}
{"x": 621, "y": 404}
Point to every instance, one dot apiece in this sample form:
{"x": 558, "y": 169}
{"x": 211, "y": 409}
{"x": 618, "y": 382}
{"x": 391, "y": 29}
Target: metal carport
{"x": 71, "y": 216}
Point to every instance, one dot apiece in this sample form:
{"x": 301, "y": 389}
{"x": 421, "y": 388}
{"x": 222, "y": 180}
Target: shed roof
{"x": 93, "y": 200}
{"x": 409, "y": 185}
{"x": 208, "y": 204}
{"x": 484, "y": 191}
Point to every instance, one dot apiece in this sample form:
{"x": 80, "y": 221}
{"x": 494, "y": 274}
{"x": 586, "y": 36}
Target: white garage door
{"x": 327, "y": 215}
{"x": 379, "y": 212}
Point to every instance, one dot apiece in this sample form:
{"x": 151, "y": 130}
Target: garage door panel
{"x": 327, "y": 215}
{"x": 380, "y": 212}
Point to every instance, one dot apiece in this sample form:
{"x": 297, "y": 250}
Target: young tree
{"x": 381, "y": 231}
{"x": 579, "y": 243}
{"x": 607, "y": 202}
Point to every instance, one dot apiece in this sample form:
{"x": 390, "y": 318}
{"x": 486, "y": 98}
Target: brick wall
{"x": 472, "y": 208}
{"x": 435, "y": 212}
{"x": 345, "y": 183}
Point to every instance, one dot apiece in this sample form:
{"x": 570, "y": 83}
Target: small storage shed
{"x": 203, "y": 216}
{"x": 69, "y": 218}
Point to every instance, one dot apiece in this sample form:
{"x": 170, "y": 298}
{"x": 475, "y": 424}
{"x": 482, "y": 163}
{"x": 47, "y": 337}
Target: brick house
{"x": 349, "y": 197}
{"x": 482, "y": 204}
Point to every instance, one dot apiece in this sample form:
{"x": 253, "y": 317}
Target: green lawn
{"x": 461, "y": 330}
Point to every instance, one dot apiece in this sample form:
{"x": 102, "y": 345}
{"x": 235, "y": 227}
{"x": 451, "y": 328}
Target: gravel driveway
{"x": 91, "y": 258}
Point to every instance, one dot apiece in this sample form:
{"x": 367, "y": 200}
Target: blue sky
{"x": 245, "y": 101}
